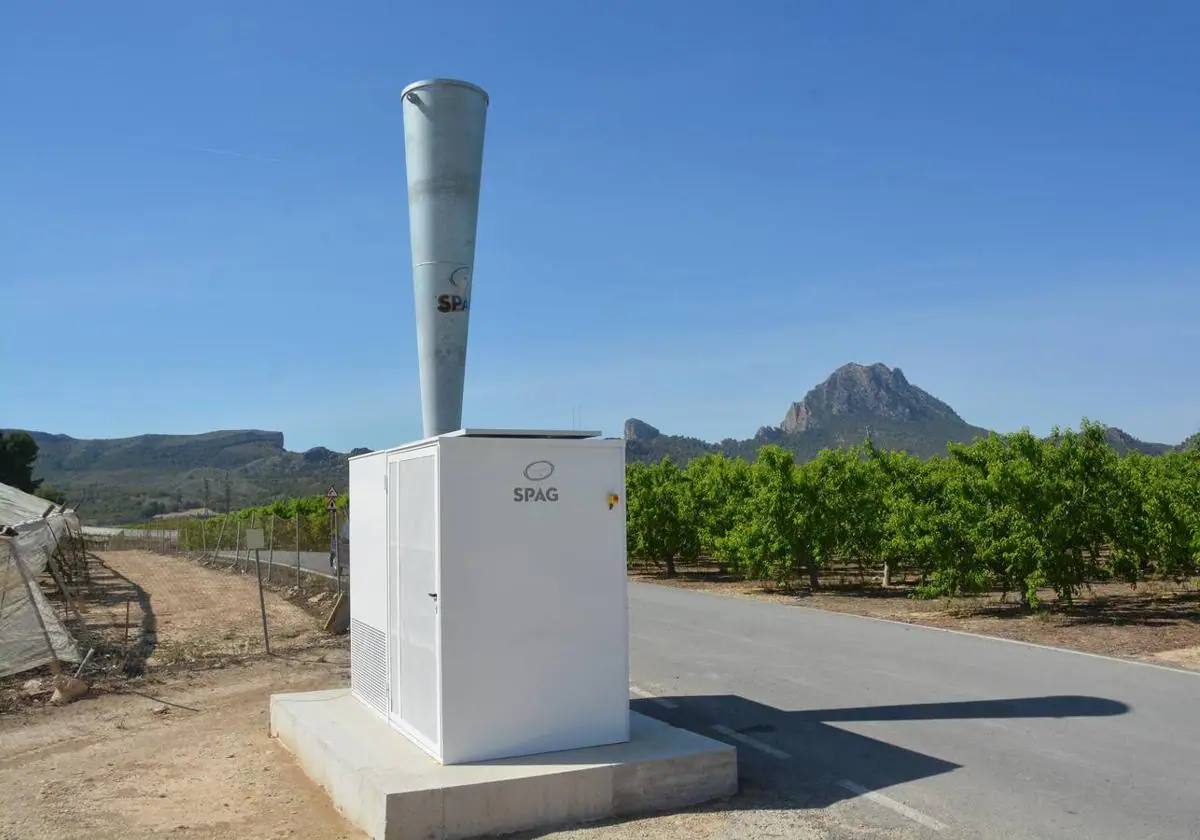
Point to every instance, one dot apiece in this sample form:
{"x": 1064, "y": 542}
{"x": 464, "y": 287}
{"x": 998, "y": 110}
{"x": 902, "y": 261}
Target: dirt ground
{"x": 186, "y": 756}
{"x": 1157, "y": 622}
{"x": 181, "y": 748}
{"x": 195, "y": 612}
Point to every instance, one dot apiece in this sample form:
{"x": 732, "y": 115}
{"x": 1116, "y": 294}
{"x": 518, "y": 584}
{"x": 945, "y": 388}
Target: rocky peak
{"x": 636, "y": 429}
{"x": 865, "y": 391}
{"x": 320, "y": 453}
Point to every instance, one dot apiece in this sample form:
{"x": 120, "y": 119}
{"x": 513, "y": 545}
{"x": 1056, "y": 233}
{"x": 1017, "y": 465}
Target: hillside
{"x": 128, "y": 479}
{"x": 125, "y": 479}
{"x": 1124, "y": 442}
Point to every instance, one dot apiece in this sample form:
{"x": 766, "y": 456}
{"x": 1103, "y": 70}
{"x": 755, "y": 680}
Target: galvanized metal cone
{"x": 443, "y": 149}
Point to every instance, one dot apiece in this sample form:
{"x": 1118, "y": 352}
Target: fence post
{"x": 262, "y": 604}
{"x": 297, "y": 547}
{"x": 337, "y": 553}
{"x": 271, "y": 550}
{"x": 237, "y": 546}
{"x": 220, "y": 536}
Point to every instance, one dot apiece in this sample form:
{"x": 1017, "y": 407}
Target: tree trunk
{"x": 887, "y": 573}
{"x": 813, "y": 582}
{"x": 671, "y": 566}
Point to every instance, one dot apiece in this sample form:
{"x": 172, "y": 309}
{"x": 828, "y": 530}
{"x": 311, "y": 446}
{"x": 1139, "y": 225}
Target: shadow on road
{"x": 1054, "y": 706}
{"x": 813, "y": 760}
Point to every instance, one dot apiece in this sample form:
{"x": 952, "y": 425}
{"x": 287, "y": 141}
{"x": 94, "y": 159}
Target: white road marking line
{"x": 761, "y": 746}
{"x": 891, "y": 804}
{"x": 662, "y": 701}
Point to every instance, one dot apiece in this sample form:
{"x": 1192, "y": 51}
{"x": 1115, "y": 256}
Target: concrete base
{"x": 391, "y": 789}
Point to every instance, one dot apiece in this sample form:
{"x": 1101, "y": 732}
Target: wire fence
{"x": 290, "y": 549}
{"x": 140, "y": 603}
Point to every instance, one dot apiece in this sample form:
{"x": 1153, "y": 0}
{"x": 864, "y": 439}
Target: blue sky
{"x": 691, "y": 213}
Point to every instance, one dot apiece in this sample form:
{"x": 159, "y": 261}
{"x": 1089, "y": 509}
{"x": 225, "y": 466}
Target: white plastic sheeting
{"x": 30, "y": 529}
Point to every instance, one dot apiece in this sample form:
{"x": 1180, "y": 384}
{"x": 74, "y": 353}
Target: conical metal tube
{"x": 443, "y": 151}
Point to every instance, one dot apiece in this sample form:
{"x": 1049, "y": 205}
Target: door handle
{"x": 433, "y": 595}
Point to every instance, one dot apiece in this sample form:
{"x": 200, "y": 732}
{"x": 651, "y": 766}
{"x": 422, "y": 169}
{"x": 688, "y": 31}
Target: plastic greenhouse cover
{"x": 33, "y": 527}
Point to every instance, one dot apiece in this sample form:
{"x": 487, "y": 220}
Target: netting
{"x": 32, "y": 531}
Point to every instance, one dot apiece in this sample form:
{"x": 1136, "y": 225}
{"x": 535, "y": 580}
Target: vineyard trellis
{"x": 290, "y": 527}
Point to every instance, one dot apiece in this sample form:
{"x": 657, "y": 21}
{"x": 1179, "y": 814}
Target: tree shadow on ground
{"x": 1132, "y": 610}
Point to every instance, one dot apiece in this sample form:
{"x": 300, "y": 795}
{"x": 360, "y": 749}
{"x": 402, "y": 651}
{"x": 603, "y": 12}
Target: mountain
{"x": 643, "y": 442}
{"x": 1124, "y": 442}
{"x": 867, "y": 391}
{"x": 124, "y": 479}
{"x": 128, "y": 479}
{"x": 855, "y": 402}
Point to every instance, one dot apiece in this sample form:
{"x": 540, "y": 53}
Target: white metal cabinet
{"x": 504, "y": 568}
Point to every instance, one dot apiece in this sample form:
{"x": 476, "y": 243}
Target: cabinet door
{"x": 412, "y": 496}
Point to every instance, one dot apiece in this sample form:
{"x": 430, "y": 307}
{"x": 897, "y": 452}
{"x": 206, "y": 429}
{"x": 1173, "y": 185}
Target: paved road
{"x": 313, "y": 561}
{"x": 921, "y": 731}
{"x": 112, "y": 531}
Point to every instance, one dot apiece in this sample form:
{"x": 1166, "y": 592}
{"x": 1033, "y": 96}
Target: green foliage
{"x": 717, "y": 489}
{"x": 18, "y": 451}
{"x": 1011, "y": 512}
{"x": 50, "y": 494}
{"x": 1156, "y": 515}
{"x": 279, "y": 518}
{"x": 797, "y": 518}
{"x": 774, "y": 538}
{"x": 661, "y": 524}
{"x": 152, "y": 508}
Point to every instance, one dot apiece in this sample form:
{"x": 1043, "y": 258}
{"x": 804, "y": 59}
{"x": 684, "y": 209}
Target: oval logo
{"x": 539, "y": 471}
{"x": 460, "y": 278}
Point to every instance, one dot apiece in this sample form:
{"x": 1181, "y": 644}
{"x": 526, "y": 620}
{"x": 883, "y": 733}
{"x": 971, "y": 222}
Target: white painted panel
{"x": 393, "y": 585}
{"x": 369, "y": 678}
{"x": 534, "y": 613}
{"x": 416, "y": 544}
{"x": 368, "y": 533}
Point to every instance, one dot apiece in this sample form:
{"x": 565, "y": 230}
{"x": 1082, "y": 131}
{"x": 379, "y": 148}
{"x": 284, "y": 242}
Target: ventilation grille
{"x": 368, "y": 664}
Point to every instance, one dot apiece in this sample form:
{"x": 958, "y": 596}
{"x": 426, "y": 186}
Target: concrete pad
{"x": 391, "y": 789}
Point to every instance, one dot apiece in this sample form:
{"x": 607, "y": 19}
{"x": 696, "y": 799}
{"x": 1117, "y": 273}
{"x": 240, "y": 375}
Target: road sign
{"x": 331, "y": 505}
{"x": 331, "y": 494}
{"x": 254, "y": 538}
